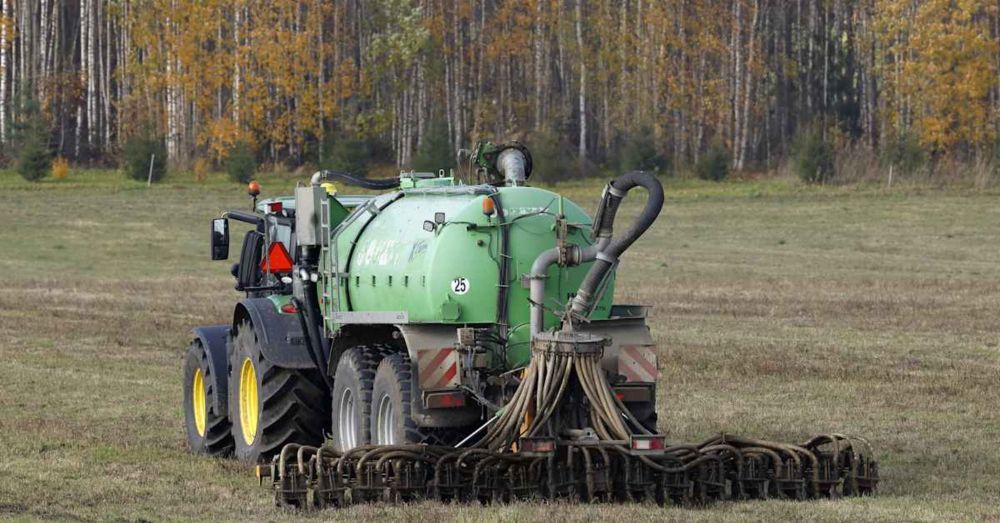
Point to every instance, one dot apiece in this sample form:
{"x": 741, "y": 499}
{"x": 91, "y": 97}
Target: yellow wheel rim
{"x": 199, "y": 405}
{"x": 249, "y": 409}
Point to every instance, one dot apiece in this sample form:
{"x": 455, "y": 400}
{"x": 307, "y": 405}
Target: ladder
{"x": 329, "y": 281}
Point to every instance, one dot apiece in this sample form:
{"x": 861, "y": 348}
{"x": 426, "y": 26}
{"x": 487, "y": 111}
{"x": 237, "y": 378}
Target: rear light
{"x": 647, "y": 442}
{"x": 289, "y": 308}
{"x": 634, "y": 394}
{"x": 537, "y": 445}
{"x": 275, "y": 207}
{"x": 444, "y": 400}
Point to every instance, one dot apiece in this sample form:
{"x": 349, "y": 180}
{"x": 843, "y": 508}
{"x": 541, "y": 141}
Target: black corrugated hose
{"x": 606, "y": 259}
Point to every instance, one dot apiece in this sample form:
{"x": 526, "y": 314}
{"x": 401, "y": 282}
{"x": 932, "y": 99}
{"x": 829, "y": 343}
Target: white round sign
{"x": 460, "y": 285}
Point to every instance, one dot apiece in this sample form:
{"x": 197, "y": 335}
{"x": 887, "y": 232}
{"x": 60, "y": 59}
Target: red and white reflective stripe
{"x": 638, "y": 363}
{"x": 438, "y": 368}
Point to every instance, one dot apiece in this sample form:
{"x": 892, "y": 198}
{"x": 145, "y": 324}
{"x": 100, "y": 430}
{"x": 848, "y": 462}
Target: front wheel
{"x": 207, "y": 430}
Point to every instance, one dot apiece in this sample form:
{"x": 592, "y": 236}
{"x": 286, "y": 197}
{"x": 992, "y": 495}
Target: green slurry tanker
{"x": 460, "y": 342}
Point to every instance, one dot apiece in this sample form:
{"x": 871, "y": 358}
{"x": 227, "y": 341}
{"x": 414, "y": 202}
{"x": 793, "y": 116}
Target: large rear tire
{"x": 391, "y": 422}
{"x": 208, "y": 431}
{"x": 351, "y": 400}
{"x": 272, "y": 406}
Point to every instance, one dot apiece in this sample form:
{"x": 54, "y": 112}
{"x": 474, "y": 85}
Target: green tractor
{"x": 459, "y": 341}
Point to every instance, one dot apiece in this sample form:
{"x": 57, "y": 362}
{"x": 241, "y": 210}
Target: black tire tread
{"x": 218, "y": 439}
{"x": 293, "y": 402}
{"x": 364, "y": 360}
{"x": 402, "y": 370}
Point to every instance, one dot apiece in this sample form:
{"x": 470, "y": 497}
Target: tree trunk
{"x": 3, "y": 70}
{"x": 583, "y": 81}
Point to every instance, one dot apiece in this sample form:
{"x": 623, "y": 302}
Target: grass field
{"x": 780, "y": 311}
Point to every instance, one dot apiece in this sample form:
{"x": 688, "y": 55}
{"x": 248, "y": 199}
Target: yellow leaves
{"x": 250, "y": 71}
{"x": 221, "y": 135}
{"x": 941, "y": 66}
{"x": 60, "y": 168}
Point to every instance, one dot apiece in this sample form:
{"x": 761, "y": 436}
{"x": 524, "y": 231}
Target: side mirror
{"x": 220, "y": 239}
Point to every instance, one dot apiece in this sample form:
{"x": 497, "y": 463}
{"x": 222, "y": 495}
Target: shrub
{"x": 904, "y": 153}
{"x": 34, "y": 159}
{"x": 639, "y": 153}
{"x": 812, "y": 158}
{"x": 137, "y": 155}
{"x": 241, "y": 163}
{"x": 346, "y": 153}
{"x": 713, "y": 165}
{"x": 201, "y": 169}
{"x": 30, "y": 137}
{"x": 435, "y": 151}
{"x": 60, "y": 168}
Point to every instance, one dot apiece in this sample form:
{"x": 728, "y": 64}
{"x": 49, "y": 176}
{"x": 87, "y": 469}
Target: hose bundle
{"x": 565, "y": 369}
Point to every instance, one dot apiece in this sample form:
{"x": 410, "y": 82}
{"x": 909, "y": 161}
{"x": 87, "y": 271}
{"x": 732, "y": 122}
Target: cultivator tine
{"x": 754, "y": 478}
{"x": 329, "y": 490}
{"x": 710, "y": 480}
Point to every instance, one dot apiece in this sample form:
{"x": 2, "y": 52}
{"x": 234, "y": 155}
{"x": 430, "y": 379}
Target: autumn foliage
{"x": 417, "y": 79}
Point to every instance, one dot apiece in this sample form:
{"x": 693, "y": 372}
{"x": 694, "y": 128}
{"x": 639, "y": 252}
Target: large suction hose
{"x": 608, "y": 257}
{"x": 605, "y": 250}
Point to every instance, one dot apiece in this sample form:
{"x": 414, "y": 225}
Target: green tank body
{"x": 432, "y": 255}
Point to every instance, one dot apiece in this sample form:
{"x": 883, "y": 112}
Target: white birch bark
{"x": 237, "y": 59}
{"x": 583, "y": 81}
{"x": 3, "y": 70}
{"x": 747, "y": 88}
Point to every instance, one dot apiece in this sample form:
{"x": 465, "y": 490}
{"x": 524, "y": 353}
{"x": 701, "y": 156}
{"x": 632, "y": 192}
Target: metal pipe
{"x": 513, "y": 165}
{"x": 539, "y": 273}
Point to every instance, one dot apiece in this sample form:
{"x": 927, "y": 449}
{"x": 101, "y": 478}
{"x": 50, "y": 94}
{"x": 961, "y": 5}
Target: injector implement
{"x": 460, "y": 342}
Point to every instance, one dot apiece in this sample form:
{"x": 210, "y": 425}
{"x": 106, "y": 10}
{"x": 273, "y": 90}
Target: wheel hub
{"x": 249, "y": 404}
{"x": 348, "y": 424}
{"x": 199, "y": 404}
{"x": 385, "y": 421}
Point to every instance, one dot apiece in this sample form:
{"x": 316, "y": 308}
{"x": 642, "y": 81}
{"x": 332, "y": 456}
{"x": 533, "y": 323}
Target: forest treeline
{"x": 298, "y": 81}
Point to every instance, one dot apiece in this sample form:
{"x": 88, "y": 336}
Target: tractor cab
{"x": 267, "y": 254}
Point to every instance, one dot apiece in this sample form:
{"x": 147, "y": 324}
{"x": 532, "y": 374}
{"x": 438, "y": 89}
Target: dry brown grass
{"x": 780, "y": 312}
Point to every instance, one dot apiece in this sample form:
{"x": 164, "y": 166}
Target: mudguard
{"x": 213, "y": 339}
{"x": 435, "y": 340}
{"x": 280, "y": 335}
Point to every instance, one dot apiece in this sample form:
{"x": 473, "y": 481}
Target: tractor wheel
{"x": 351, "y": 401}
{"x": 271, "y": 406}
{"x": 391, "y": 423}
{"x": 207, "y": 430}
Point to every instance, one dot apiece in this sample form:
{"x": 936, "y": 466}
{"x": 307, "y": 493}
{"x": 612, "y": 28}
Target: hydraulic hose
{"x": 503, "y": 286}
{"x": 608, "y": 257}
{"x": 310, "y": 318}
{"x": 350, "y": 179}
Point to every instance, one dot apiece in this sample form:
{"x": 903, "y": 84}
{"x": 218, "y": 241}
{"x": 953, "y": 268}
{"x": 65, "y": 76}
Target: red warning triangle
{"x": 279, "y": 259}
